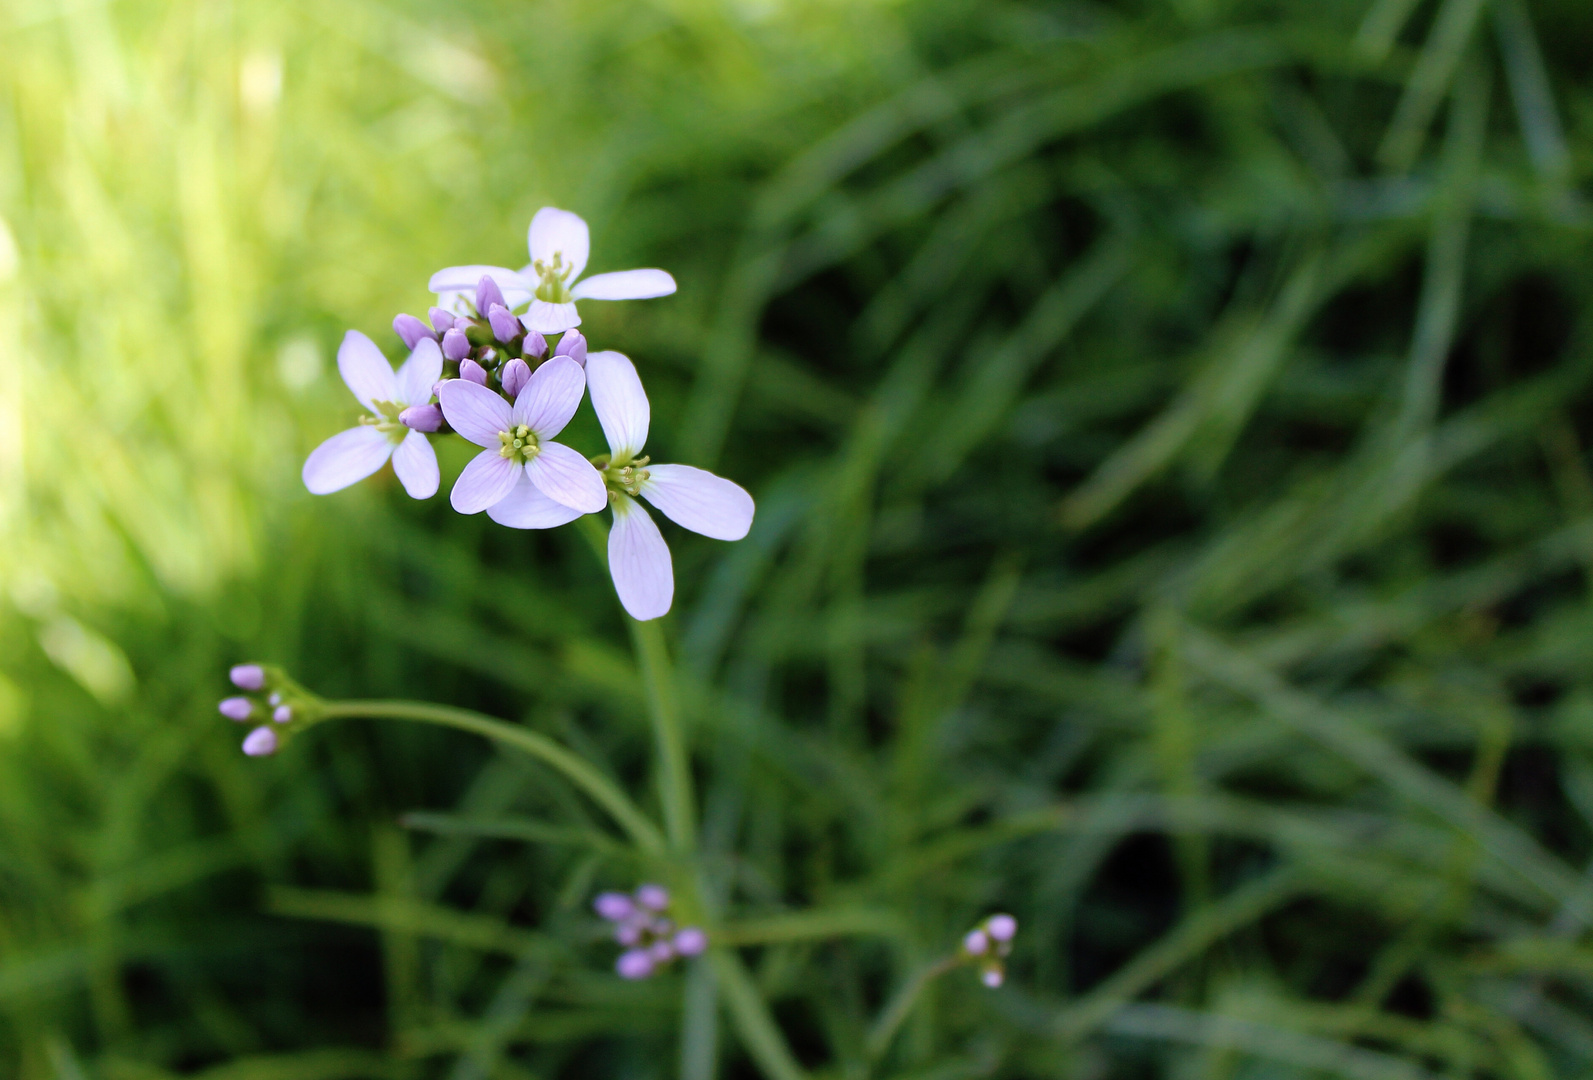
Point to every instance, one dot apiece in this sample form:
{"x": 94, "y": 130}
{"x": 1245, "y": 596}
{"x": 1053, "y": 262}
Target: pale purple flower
{"x": 559, "y": 242}
{"x": 638, "y": 558}
{"x": 634, "y": 964}
{"x": 352, "y": 455}
{"x": 236, "y": 708}
{"x": 613, "y": 906}
{"x": 522, "y": 478}
{"x": 247, "y": 676}
{"x": 260, "y": 742}
{"x": 690, "y": 941}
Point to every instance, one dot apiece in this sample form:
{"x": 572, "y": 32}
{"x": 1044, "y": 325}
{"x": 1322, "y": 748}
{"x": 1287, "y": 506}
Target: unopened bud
{"x": 421, "y": 417}
{"x": 573, "y": 345}
{"x": 281, "y": 714}
{"x": 653, "y": 896}
{"x": 237, "y": 708}
{"x": 634, "y": 964}
{"x": 411, "y": 330}
{"x": 1002, "y": 927}
{"x": 260, "y": 742}
{"x": 455, "y": 346}
{"x": 662, "y": 952}
{"x": 976, "y": 943}
{"x": 516, "y": 373}
{"x": 469, "y": 369}
{"x": 690, "y": 941}
{"x": 247, "y": 676}
{"x": 534, "y": 345}
{"x": 613, "y": 906}
{"x": 441, "y": 321}
{"x": 488, "y": 294}
{"x": 628, "y": 933}
{"x": 505, "y": 327}
{"x": 992, "y": 977}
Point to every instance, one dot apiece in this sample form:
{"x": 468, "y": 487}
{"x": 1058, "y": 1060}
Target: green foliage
{"x": 1167, "y": 422}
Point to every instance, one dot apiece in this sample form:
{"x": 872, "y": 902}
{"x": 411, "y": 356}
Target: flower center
{"x": 386, "y": 420}
{"x": 551, "y": 284}
{"x": 519, "y": 444}
{"x": 627, "y": 478}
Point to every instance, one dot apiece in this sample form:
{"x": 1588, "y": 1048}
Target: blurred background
{"x": 1169, "y": 425}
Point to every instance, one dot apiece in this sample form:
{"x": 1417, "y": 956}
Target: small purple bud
{"x": 992, "y": 977}
{"x": 613, "y": 906}
{"x": 455, "y": 345}
{"x": 411, "y": 330}
{"x": 516, "y": 373}
{"x": 573, "y": 345}
{"x": 260, "y": 742}
{"x": 505, "y": 327}
{"x": 690, "y": 941}
{"x": 634, "y": 964}
{"x": 628, "y": 933}
{"x": 976, "y": 943}
{"x": 237, "y": 708}
{"x": 247, "y": 676}
{"x": 441, "y": 321}
{"x": 1002, "y": 927}
{"x": 653, "y": 896}
{"x": 662, "y": 952}
{"x": 487, "y": 294}
{"x": 421, "y": 417}
{"x": 274, "y": 700}
{"x": 281, "y": 714}
{"x": 469, "y": 369}
{"x": 534, "y": 345}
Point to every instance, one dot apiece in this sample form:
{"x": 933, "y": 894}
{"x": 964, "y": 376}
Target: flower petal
{"x": 346, "y": 458}
{"x": 546, "y": 402}
{"x": 638, "y": 560}
{"x": 554, "y": 231}
{"x": 549, "y": 318}
{"x": 463, "y": 279}
{"x": 486, "y": 480}
{"x": 366, "y": 370}
{"x": 566, "y": 477}
{"x": 474, "y": 411}
{"x": 527, "y": 508}
{"x": 420, "y": 373}
{"x": 620, "y": 401}
{"x": 415, "y": 462}
{"x": 699, "y": 500}
{"x": 624, "y": 285}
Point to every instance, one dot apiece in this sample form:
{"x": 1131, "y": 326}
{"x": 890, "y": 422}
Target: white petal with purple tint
{"x": 486, "y": 480}
{"x": 415, "y": 462}
{"x": 624, "y": 285}
{"x": 420, "y": 372}
{"x": 550, "y": 398}
{"x": 474, "y": 411}
{"x": 366, "y": 370}
{"x": 620, "y": 401}
{"x": 559, "y": 232}
{"x": 699, "y": 500}
{"x": 346, "y": 458}
{"x": 549, "y": 318}
{"x": 566, "y": 477}
{"x": 638, "y": 560}
{"x": 463, "y": 279}
{"x": 527, "y": 508}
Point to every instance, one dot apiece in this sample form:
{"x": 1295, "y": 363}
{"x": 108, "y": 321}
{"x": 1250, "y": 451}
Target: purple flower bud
{"x": 628, "y": 933}
{"x": 455, "y": 345}
{"x": 411, "y": 330}
{"x": 247, "y": 676}
{"x": 281, "y": 714}
{"x": 487, "y": 294}
{"x": 516, "y": 373}
{"x": 992, "y": 977}
{"x": 976, "y": 943}
{"x": 274, "y": 700}
{"x": 634, "y": 964}
{"x": 505, "y": 327}
{"x": 613, "y": 906}
{"x": 690, "y": 941}
{"x": 1002, "y": 927}
{"x": 237, "y": 708}
{"x": 422, "y": 417}
{"x": 469, "y": 369}
{"x": 534, "y": 345}
{"x": 260, "y": 742}
{"x": 662, "y": 952}
{"x": 441, "y": 321}
{"x": 653, "y": 896}
{"x": 573, "y": 345}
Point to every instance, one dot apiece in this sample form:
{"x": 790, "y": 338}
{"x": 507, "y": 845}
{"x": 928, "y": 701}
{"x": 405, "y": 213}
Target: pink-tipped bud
{"x": 634, "y": 964}
{"x": 411, "y": 331}
{"x": 248, "y": 677}
{"x": 690, "y": 941}
{"x": 469, "y": 369}
{"x": 455, "y": 346}
{"x": 534, "y": 345}
{"x": 613, "y": 906}
{"x": 992, "y": 977}
{"x": 1002, "y": 927}
{"x": 505, "y": 327}
{"x": 261, "y": 742}
{"x": 628, "y": 933}
{"x": 281, "y": 714}
{"x": 976, "y": 943}
{"x": 441, "y": 321}
{"x": 516, "y": 373}
{"x": 573, "y": 345}
{"x": 237, "y": 708}
{"x": 653, "y": 896}
{"x": 488, "y": 294}
{"x": 422, "y": 417}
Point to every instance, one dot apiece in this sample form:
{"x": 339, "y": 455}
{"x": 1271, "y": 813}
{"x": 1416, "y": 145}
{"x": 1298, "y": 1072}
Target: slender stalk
{"x": 574, "y": 768}
{"x": 901, "y": 1006}
{"x": 680, "y": 813}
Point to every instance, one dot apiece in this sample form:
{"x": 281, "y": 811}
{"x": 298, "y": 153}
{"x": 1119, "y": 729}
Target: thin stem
{"x": 680, "y": 817}
{"x": 574, "y": 768}
{"x": 901, "y": 1006}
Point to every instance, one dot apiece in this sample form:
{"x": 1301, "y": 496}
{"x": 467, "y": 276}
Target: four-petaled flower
{"x": 521, "y": 465}
{"x": 551, "y": 283}
{"x": 352, "y": 455}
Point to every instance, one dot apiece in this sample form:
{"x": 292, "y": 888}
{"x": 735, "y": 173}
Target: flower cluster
{"x": 484, "y": 372}
{"x": 642, "y": 924}
{"x": 276, "y": 704}
{"x": 987, "y": 946}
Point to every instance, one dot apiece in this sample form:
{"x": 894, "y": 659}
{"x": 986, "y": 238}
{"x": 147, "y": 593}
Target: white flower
{"x": 552, "y": 283}
{"x": 352, "y": 455}
{"x": 638, "y": 558}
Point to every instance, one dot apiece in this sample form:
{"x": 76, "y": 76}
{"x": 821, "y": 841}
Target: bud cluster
{"x": 643, "y": 926}
{"x": 273, "y": 702}
{"x": 987, "y": 946}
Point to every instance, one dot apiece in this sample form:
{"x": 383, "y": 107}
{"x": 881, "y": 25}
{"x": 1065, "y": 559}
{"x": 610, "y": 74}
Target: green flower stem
{"x": 901, "y": 1006}
{"x": 575, "y": 769}
{"x": 680, "y": 810}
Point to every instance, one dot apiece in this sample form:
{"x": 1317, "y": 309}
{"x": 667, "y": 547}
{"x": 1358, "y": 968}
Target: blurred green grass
{"x": 1167, "y": 421}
